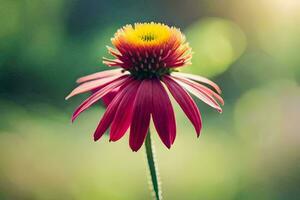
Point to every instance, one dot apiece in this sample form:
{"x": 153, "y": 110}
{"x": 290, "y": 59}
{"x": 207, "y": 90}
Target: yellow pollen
{"x": 146, "y": 34}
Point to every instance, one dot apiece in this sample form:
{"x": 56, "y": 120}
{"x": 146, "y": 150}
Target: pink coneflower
{"x": 147, "y": 57}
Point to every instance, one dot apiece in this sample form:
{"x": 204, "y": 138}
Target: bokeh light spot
{"x": 262, "y": 114}
{"x": 10, "y": 18}
{"x": 217, "y": 43}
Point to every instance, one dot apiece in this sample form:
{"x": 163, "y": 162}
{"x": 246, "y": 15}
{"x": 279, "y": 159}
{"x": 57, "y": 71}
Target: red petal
{"x": 89, "y": 86}
{"x": 123, "y": 115}
{"x": 163, "y": 114}
{"x": 98, "y": 75}
{"x": 108, "y": 116}
{"x": 109, "y": 96}
{"x": 198, "y": 92}
{"x": 99, "y": 94}
{"x": 199, "y": 79}
{"x": 185, "y": 101}
{"x": 141, "y": 115}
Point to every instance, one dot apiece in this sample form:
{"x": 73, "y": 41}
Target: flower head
{"x": 147, "y": 56}
{"x": 149, "y": 50}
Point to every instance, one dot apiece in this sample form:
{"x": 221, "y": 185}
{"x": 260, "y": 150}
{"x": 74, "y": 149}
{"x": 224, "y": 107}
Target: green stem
{"x": 152, "y": 167}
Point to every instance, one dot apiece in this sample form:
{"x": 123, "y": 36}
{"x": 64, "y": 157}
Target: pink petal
{"x": 91, "y": 85}
{"x": 185, "y": 101}
{"x": 199, "y": 79}
{"x": 108, "y": 116}
{"x": 99, "y": 94}
{"x": 141, "y": 115}
{"x": 98, "y": 75}
{"x": 209, "y": 92}
{"x": 191, "y": 87}
{"x": 123, "y": 114}
{"x": 204, "y": 89}
{"x": 163, "y": 114}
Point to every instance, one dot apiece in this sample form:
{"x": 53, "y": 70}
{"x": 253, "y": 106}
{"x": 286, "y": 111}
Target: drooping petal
{"x": 99, "y": 94}
{"x": 91, "y": 85}
{"x": 209, "y": 92}
{"x": 198, "y": 93}
{"x": 185, "y": 101}
{"x": 203, "y": 88}
{"x": 141, "y": 115}
{"x": 108, "y": 116}
{"x": 199, "y": 79}
{"x": 123, "y": 114}
{"x": 109, "y": 96}
{"x": 98, "y": 75}
{"x": 163, "y": 114}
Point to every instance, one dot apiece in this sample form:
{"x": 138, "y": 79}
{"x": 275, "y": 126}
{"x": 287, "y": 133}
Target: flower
{"x": 147, "y": 56}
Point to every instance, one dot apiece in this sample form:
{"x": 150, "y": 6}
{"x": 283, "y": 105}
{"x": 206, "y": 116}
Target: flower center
{"x": 145, "y": 34}
{"x": 148, "y": 37}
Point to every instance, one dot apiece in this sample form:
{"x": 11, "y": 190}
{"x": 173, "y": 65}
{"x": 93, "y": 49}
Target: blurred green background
{"x": 251, "y": 151}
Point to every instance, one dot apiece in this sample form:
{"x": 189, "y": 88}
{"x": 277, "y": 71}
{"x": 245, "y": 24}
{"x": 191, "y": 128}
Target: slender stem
{"x": 152, "y": 167}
